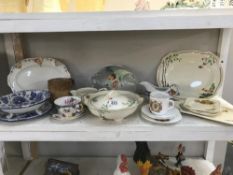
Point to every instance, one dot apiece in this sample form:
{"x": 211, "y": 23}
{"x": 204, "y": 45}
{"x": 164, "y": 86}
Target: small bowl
{"x": 23, "y": 101}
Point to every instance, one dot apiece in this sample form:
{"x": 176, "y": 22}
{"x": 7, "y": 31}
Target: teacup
{"x": 160, "y": 103}
{"x": 69, "y": 106}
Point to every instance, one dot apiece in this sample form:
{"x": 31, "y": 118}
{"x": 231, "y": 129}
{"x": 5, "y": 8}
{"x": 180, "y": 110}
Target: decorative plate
{"x": 6, "y": 117}
{"x": 195, "y": 73}
{"x": 145, "y": 115}
{"x": 34, "y": 73}
{"x": 115, "y": 78}
{"x": 23, "y": 101}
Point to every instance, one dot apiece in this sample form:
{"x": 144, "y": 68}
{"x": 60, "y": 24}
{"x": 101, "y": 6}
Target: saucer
{"x": 176, "y": 116}
{"x": 168, "y": 116}
{"x": 59, "y": 117}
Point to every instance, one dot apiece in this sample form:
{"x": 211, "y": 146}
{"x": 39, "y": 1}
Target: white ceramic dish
{"x": 195, "y": 73}
{"x": 34, "y": 73}
{"x": 113, "y": 105}
{"x": 177, "y": 117}
{"x": 197, "y": 113}
{"x": 168, "y": 116}
{"x": 202, "y": 105}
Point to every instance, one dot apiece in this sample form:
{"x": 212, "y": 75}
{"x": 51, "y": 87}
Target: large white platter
{"x": 33, "y": 73}
{"x": 196, "y": 73}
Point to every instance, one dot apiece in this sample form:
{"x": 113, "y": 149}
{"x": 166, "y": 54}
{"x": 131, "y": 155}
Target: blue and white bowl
{"x": 23, "y": 101}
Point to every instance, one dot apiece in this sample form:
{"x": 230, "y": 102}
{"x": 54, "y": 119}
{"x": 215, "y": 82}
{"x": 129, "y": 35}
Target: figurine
{"x": 180, "y": 156}
{"x": 122, "y": 166}
{"x": 142, "y": 157}
{"x": 217, "y": 171}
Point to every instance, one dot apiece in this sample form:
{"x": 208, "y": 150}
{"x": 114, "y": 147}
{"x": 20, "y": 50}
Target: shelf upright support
{"x": 14, "y": 53}
{"x": 216, "y": 151}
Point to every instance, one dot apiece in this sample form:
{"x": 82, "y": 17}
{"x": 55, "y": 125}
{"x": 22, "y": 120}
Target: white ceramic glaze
{"x": 67, "y": 101}
{"x": 175, "y": 116}
{"x": 195, "y": 73}
{"x": 202, "y": 105}
{"x": 113, "y": 105}
{"x": 34, "y": 73}
{"x": 160, "y": 103}
{"x": 83, "y": 91}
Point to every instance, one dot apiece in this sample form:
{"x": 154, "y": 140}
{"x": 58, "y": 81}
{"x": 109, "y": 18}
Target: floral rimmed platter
{"x": 7, "y": 117}
{"x": 34, "y": 73}
{"x": 113, "y": 104}
{"x": 196, "y": 74}
{"x": 175, "y": 116}
{"x": 23, "y": 101}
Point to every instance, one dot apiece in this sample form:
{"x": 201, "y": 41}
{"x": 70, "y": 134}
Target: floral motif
{"x": 209, "y": 60}
{"x": 208, "y": 92}
{"x": 39, "y": 61}
{"x": 187, "y": 4}
{"x": 171, "y": 58}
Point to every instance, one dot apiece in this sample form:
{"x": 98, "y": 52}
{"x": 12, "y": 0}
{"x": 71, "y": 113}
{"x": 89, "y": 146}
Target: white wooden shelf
{"x": 133, "y": 128}
{"x": 116, "y": 21}
{"x": 99, "y": 166}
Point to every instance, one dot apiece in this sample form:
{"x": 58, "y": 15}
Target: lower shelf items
{"x": 95, "y": 166}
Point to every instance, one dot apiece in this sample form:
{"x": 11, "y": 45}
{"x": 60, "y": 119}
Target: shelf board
{"x": 133, "y": 128}
{"x": 102, "y": 166}
{"x": 116, "y": 21}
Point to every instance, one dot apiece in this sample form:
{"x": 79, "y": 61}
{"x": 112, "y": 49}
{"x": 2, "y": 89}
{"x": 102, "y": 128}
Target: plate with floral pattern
{"x": 33, "y": 73}
{"x": 196, "y": 74}
{"x": 7, "y": 117}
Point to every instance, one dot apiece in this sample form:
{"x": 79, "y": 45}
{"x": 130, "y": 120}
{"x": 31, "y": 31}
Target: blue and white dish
{"x": 23, "y": 101}
{"x": 9, "y": 117}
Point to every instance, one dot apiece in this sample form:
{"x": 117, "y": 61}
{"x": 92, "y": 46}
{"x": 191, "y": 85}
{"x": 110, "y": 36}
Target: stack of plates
{"x": 172, "y": 116}
{"x": 206, "y": 107}
{"x": 24, "y": 105}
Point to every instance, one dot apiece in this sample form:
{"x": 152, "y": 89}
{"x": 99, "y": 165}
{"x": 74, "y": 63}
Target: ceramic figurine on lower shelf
{"x": 122, "y": 166}
{"x": 180, "y": 156}
{"x": 217, "y": 171}
{"x": 142, "y": 157}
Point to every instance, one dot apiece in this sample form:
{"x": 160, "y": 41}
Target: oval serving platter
{"x": 33, "y": 73}
{"x": 195, "y": 73}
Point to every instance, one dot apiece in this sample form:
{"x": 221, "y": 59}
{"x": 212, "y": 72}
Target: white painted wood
{"x": 90, "y": 128}
{"x": 216, "y": 151}
{"x": 225, "y": 40}
{"x": 117, "y": 21}
{"x": 9, "y": 49}
{"x": 3, "y": 163}
{"x": 10, "y": 46}
{"x": 26, "y": 150}
{"x": 210, "y": 148}
{"x": 106, "y": 166}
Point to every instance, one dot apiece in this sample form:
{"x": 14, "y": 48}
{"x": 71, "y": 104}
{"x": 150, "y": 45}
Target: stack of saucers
{"x": 172, "y": 116}
{"x": 24, "y": 105}
{"x": 206, "y": 107}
